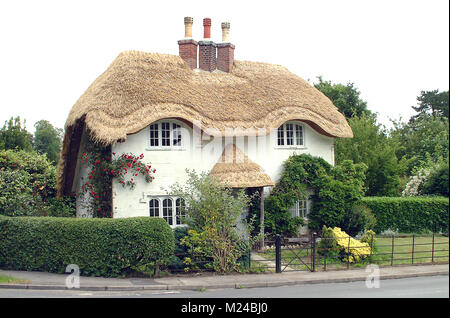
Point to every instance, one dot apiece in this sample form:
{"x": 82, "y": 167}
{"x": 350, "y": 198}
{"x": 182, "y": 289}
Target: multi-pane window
{"x": 171, "y": 209}
{"x": 154, "y": 208}
{"x": 290, "y": 134}
{"x": 168, "y": 211}
{"x": 179, "y": 207}
{"x": 300, "y": 209}
{"x": 154, "y": 135}
{"x": 176, "y": 135}
{"x": 280, "y": 136}
{"x": 166, "y": 134}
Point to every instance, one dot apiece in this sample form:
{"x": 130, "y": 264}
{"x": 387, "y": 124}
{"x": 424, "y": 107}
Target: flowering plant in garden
{"x": 356, "y": 250}
{"x": 335, "y": 238}
{"x": 105, "y": 168}
{"x": 412, "y": 187}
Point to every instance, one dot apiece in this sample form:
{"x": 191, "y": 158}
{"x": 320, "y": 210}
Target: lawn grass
{"x": 402, "y": 250}
{"x": 4, "y": 279}
{"x": 401, "y": 253}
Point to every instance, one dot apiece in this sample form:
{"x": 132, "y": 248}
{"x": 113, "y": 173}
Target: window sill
{"x": 165, "y": 149}
{"x": 290, "y": 147}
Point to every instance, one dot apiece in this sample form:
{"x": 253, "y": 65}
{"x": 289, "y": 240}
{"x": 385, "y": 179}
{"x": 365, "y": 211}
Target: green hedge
{"x": 100, "y": 247}
{"x": 409, "y": 214}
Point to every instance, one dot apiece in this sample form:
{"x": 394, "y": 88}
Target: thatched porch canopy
{"x": 235, "y": 170}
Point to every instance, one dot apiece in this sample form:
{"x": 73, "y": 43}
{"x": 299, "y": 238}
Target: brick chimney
{"x": 225, "y": 50}
{"x": 188, "y": 46}
{"x": 207, "y": 49}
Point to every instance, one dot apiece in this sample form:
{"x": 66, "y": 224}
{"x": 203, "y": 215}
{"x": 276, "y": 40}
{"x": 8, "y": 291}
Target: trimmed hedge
{"x": 100, "y": 247}
{"x": 409, "y": 214}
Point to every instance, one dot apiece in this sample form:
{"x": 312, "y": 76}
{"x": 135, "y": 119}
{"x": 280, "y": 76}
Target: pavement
{"x": 50, "y": 281}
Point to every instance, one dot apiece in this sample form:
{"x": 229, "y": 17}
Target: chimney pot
{"x": 206, "y": 28}
{"x": 188, "y": 21}
{"x": 225, "y": 31}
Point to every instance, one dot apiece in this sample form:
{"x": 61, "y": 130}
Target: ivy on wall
{"x": 335, "y": 192}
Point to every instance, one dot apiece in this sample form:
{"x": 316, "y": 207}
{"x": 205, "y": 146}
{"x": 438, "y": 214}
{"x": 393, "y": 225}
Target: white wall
{"x": 170, "y": 165}
{"x": 80, "y": 177}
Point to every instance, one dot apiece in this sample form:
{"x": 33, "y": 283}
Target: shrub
{"x": 369, "y": 238}
{"x": 409, "y": 214}
{"x": 212, "y": 213}
{"x": 437, "y": 181}
{"x": 277, "y": 218}
{"x": 358, "y": 219}
{"x": 180, "y": 251}
{"x": 328, "y": 244}
{"x": 28, "y": 186}
{"x": 100, "y": 247}
{"x": 349, "y": 247}
{"x": 336, "y": 194}
{"x": 16, "y": 197}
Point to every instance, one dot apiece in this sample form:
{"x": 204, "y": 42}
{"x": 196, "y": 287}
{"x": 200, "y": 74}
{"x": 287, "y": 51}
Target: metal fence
{"x": 321, "y": 254}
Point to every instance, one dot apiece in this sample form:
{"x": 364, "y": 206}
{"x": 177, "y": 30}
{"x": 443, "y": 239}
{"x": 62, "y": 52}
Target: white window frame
{"x": 175, "y": 217}
{"x": 182, "y": 133}
{"x": 284, "y": 130}
{"x": 300, "y": 209}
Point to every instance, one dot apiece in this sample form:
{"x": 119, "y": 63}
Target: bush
{"x": 409, "y": 214}
{"x": 437, "y": 181}
{"x": 336, "y": 194}
{"x": 100, "y": 247}
{"x": 349, "y": 247}
{"x": 328, "y": 244}
{"x": 277, "y": 218}
{"x": 336, "y": 243}
{"x": 358, "y": 219}
{"x": 28, "y": 186}
{"x": 212, "y": 214}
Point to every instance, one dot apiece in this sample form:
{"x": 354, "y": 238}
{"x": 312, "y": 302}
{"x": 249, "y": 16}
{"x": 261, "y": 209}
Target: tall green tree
{"x": 421, "y": 141}
{"x": 372, "y": 146}
{"x": 345, "y": 97}
{"x": 14, "y": 135}
{"x": 48, "y": 140}
{"x": 432, "y": 102}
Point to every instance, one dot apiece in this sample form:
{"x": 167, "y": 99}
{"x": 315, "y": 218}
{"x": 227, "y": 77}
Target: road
{"x": 418, "y": 287}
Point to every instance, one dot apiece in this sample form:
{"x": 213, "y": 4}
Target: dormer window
{"x": 166, "y": 134}
{"x": 290, "y": 134}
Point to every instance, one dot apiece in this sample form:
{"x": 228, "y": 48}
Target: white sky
{"x": 51, "y": 51}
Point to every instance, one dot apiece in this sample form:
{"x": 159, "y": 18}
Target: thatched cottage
{"x": 202, "y": 110}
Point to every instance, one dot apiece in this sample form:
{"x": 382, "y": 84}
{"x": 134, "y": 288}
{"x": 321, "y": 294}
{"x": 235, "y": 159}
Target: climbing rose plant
{"x": 104, "y": 168}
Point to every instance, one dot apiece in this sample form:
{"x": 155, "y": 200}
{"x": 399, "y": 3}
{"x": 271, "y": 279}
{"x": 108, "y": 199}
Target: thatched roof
{"x": 139, "y": 88}
{"x": 235, "y": 170}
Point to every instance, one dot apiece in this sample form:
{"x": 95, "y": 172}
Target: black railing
{"x": 322, "y": 253}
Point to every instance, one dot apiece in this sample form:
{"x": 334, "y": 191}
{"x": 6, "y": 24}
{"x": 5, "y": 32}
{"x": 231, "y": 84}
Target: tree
{"x": 372, "y": 146}
{"x": 13, "y": 135}
{"x": 422, "y": 141}
{"x": 345, "y": 97}
{"x": 432, "y": 101}
{"x": 48, "y": 140}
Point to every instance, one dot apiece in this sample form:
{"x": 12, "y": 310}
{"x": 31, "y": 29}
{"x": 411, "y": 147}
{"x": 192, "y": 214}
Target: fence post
{"x": 412, "y": 255}
{"x": 432, "y": 250}
{"x": 314, "y": 252}
{"x": 278, "y": 253}
{"x": 348, "y": 253}
{"x": 371, "y": 248}
{"x": 392, "y": 254}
